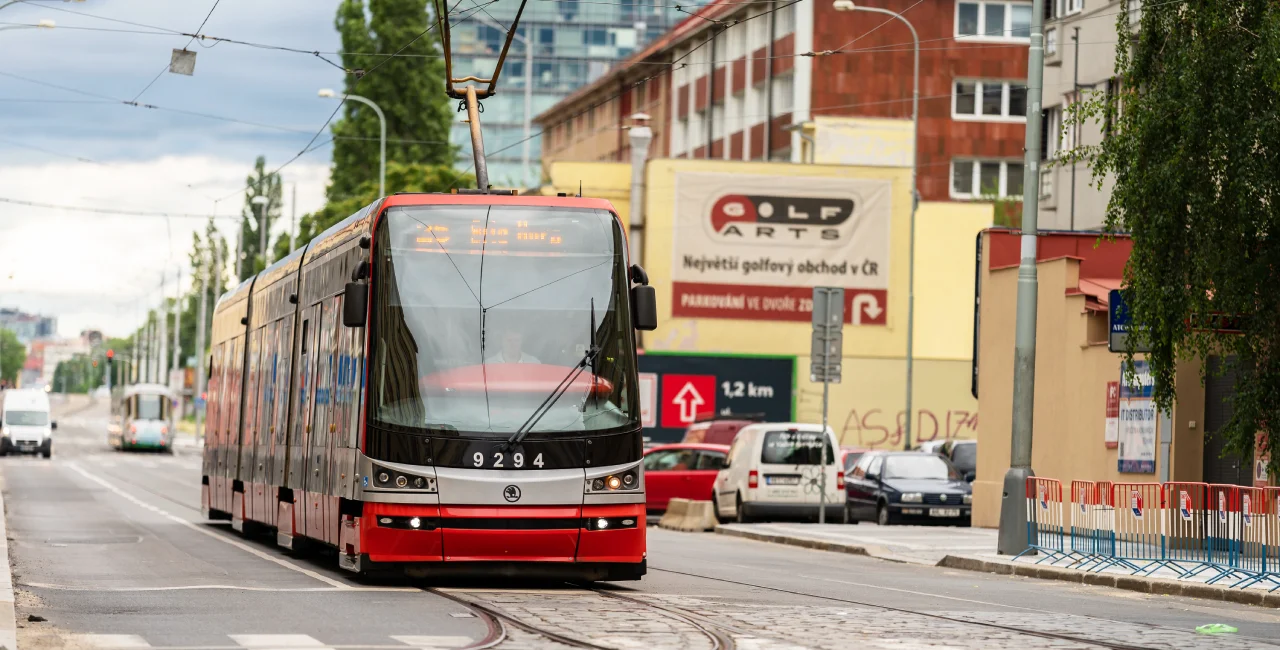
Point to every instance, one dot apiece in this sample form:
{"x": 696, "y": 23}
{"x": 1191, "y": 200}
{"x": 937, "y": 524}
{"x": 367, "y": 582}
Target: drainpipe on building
{"x": 641, "y": 136}
{"x": 711, "y": 95}
{"x": 768, "y": 85}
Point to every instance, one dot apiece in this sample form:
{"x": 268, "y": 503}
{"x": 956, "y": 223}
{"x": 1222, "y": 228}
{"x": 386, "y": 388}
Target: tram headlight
{"x": 419, "y": 483}
{"x": 602, "y": 523}
{"x": 622, "y": 481}
{"x": 383, "y": 477}
{"x": 402, "y": 481}
{"x": 415, "y": 522}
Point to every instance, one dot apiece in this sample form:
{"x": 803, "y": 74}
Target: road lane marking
{"x": 109, "y": 641}
{"x": 434, "y": 642}
{"x": 276, "y": 641}
{"x": 45, "y": 585}
{"x": 220, "y": 537}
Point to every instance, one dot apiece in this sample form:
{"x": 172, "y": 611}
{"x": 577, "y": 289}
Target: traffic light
{"x": 111, "y": 355}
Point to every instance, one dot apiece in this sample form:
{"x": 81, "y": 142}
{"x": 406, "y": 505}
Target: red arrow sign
{"x": 685, "y": 397}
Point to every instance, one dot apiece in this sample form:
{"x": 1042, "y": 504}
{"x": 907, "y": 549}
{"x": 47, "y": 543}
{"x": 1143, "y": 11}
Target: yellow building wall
{"x": 867, "y": 407}
{"x": 1070, "y": 395}
{"x": 601, "y": 180}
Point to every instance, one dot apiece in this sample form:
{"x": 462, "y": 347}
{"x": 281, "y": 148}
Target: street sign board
{"x": 692, "y": 387}
{"x": 1121, "y": 321}
{"x": 827, "y": 347}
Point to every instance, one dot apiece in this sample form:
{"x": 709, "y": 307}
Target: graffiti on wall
{"x": 876, "y": 428}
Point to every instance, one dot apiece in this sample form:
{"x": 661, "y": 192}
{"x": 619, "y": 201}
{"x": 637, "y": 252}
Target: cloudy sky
{"x": 67, "y": 140}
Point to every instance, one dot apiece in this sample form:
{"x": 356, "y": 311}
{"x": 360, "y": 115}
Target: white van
{"x": 26, "y": 427}
{"x": 773, "y": 471}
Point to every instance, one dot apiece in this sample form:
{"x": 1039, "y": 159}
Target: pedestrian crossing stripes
{"x": 273, "y": 642}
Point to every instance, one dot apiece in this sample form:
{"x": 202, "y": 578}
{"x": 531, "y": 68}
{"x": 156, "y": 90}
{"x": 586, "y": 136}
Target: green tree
{"x": 12, "y": 356}
{"x": 408, "y": 88}
{"x": 259, "y": 183}
{"x": 79, "y": 374}
{"x": 1194, "y": 151}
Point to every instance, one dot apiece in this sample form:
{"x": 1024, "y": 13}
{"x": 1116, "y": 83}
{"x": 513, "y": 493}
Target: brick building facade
{"x": 724, "y": 84}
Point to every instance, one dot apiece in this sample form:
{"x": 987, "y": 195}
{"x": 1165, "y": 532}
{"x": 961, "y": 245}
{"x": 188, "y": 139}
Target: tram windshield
{"x": 482, "y": 312}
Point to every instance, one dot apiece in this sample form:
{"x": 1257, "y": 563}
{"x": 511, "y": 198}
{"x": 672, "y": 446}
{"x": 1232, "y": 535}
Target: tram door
{"x": 300, "y": 447}
{"x": 322, "y": 429}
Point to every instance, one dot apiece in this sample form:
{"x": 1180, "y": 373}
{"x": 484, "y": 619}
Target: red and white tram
{"x": 443, "y": 382}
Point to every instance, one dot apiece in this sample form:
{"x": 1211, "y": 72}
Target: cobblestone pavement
{"x": 612, "y": 623}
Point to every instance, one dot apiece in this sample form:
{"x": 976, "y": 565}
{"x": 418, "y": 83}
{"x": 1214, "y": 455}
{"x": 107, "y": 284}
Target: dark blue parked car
{"x": 891, "y": 487}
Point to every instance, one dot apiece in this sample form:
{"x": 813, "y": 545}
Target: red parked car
{"x": 681, "y": 471}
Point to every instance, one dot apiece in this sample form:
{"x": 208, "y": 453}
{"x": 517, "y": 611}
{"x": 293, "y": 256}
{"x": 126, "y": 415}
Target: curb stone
{"x": 837, "y": 547}
{"x": 1158, "y": 586}
{"x": 8, "y": 622}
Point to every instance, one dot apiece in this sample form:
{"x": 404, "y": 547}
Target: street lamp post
{"x": 382, "y": 143}
{"x": 848, "y": 5}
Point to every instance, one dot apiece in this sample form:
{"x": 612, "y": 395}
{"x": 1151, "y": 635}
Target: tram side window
{"x": 284, "y": 351}
{"x": 149, "y": 407}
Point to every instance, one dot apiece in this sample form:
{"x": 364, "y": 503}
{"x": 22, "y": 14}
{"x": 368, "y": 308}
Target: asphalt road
{"x": 108, "y": 550}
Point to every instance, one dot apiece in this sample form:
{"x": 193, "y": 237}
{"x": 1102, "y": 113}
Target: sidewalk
{"x": 973, "y": 549}
{"x": 910, "y": 544}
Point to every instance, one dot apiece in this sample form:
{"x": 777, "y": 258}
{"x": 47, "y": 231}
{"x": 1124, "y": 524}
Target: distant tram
{"x": 443, "y": 383}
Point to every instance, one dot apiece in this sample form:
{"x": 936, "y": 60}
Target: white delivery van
{"x": 26, "y": 426}
{"x": 773, "y": 471}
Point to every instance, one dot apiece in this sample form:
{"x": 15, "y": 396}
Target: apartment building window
{"x": 782, "y": 94}
{"x": 786, "y": 20}
{"x": 993, "y": 20}
{"x": 1111, "y": 110}
{"x": 1068, "y": 7}
{"x": 1051, "y": 41}
{"x": 973, "y": 179}
{"x": 988, "y": 100}
{"x": 1057, "y": 135}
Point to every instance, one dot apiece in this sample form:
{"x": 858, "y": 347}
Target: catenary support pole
{"x": 1013, "y": 504}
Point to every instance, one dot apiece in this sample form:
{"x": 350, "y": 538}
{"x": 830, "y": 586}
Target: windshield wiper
{"x": 588, "y": 359}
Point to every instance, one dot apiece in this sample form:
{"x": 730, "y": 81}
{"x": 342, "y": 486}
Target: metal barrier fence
{"x": 1044, "y": 519}
{"x": 1223, "y": 534}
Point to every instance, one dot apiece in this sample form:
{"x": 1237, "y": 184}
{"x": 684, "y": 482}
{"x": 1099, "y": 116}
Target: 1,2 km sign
{"x": 693, "y": 387}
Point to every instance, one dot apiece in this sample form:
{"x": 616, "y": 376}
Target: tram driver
{"x": 512, "y": 350}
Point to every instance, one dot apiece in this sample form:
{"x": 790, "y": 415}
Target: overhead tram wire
{"x": 113, "y": 211}
{"x": 308, "y": 148}
{"x": 670, "y": 68}
{"x": 166, "y": 67}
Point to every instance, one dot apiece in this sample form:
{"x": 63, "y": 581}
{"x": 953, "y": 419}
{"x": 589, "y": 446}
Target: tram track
{"x": 720, "y": 634}
{"x": 1053, "y": 636}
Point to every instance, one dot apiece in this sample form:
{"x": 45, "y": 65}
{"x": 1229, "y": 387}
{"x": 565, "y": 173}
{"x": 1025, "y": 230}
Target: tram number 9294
{"x": 501, "y": 460}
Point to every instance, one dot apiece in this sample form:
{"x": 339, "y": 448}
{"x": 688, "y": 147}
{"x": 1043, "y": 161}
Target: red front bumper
{"x": 495, "y": 534}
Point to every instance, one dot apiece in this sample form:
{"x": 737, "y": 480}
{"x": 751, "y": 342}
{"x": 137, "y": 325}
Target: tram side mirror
{"x": 969, "y": 476}
{"x": 644, "y": 300}
{"x": 644, "y": 308}
{"x": 355, "y": 304}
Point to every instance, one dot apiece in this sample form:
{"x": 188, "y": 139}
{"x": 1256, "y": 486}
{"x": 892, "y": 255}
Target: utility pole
{"x": 199, "y": 351}
{"x": 177, "y": 322}
{"x": 239, "y": 250}
{"x": 1013, "y": 503}
{"x": 293, "y": 218}
{"x": 263, "y": 227}
{"x": 162, "y": 339}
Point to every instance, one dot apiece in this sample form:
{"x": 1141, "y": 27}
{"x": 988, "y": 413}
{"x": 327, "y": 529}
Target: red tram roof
{"x": 497, "y": 199}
